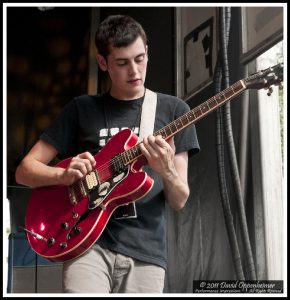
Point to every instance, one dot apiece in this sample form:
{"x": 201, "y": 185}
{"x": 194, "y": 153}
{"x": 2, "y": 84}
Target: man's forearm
{"x": 36, "y": 174}
{"x": 176, "y": 191}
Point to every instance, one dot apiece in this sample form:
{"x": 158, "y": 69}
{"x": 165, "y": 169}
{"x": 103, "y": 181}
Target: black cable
{"x": 221, "y": 169}
{"x": 232, "y": 152}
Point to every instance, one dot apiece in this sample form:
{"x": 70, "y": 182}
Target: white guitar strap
{"x": 146, "y": 128}
{"x": 148, "y": 114}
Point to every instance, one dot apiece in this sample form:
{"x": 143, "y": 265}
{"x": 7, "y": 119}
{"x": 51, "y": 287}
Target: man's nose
{"x": 133, "y": 68}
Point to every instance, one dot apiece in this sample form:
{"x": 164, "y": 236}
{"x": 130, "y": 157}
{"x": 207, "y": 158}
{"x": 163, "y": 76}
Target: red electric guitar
{"x": 62, "y": 222}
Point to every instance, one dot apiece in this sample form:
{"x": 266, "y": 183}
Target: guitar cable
{"x": 225, "y": 18}
{"x": 222, "y": 179}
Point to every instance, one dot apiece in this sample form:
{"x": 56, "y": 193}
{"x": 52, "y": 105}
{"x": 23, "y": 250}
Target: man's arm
{"x": 176, "y": 188}
{"x": 172, "y": 168}
{"x": 34, "y": 171}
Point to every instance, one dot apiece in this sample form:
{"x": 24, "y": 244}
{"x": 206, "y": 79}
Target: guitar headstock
{"x": 265, "y": 78}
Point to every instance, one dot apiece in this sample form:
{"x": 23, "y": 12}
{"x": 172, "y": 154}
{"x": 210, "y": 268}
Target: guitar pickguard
{"x": 98, "y": 196}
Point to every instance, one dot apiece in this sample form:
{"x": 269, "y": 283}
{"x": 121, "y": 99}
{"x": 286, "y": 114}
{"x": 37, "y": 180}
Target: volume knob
{"x": 51, "y": 241}
{"x": 64, "y": 225}
{"x": 78, "y": 230}
{"x": 63, "y": 245}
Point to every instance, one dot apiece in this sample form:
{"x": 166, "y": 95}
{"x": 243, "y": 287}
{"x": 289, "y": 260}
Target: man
{"x": 130, "y": 255}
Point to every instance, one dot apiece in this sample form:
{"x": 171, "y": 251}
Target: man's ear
{"x": 102, "y": 62}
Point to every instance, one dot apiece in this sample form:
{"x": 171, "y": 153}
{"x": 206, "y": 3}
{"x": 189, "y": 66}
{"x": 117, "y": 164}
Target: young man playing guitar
{"x": 130, "y": 254}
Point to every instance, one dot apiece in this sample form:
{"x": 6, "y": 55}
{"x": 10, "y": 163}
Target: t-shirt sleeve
{"x": 62, "y": 132}
{"x": 186, "y": 140}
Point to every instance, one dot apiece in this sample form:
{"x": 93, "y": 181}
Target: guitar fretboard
{"x": 127, "y": 157}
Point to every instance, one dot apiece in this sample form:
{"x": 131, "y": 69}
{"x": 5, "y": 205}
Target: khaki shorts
{"x": 103, "y": 271}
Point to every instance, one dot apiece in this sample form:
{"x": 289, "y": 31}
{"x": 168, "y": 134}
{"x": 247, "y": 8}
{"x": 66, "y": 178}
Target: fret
{"x": 207, "y": 105}
{"x": 133, "y": 152}
{"x": 127, "y": 158}
{"x": 178, "y": 124}
{"x": 211, "y": 103}
{"x": 130, "y": 154}
{"x": 232, "y": 88}
{"x": 136, "y": 151}
{"x": 117, "y": 163}
{"x": 124, "y": 158}
{"x": 162, "y": 132}
{"x": 220, "y": 99}
{"x": 238, "y": 87}
{"x": 188, "y": 118}
{"x": 176, "y": 128}
{"x": 159, "y": 132}
{"x": 198, "y": 113}
{"x": 216, "y": 100}
{"x": 194, "y": 116}
{"x": 203, "y": 109}
{"x": 228, "y": 93}
{"x": 168, "y": 130}
{"x": 184, "y": 120}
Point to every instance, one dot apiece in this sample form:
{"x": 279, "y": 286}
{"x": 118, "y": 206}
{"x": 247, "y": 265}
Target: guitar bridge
{"x": 82, "y": 187}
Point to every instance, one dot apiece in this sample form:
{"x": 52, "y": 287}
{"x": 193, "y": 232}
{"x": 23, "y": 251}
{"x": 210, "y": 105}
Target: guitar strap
{"x": 148, "y": 114}
{"x": 146, "y": 128}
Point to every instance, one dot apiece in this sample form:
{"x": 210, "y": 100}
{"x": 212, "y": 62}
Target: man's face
{"x": 127, "y": 69}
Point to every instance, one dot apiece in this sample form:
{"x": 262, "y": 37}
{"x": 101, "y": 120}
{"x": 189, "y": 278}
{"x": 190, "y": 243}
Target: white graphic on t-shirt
{"x": 106, "y": 134}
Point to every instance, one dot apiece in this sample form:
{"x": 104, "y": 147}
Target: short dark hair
{"x": 119, "y": 31}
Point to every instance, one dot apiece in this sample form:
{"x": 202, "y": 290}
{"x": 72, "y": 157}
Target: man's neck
{"x": 125, "y": 96}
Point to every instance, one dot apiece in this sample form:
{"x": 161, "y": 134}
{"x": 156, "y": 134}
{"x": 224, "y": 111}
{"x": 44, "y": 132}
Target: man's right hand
{"x": 78, "y": 168}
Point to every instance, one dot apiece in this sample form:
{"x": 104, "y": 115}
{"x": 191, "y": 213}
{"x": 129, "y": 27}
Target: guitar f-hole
{"x": 76, "y": 229}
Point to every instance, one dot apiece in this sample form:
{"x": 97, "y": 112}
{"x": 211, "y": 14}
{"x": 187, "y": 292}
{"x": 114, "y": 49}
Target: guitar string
{"x": 105, "y": 166}
{"x": 209, "y": 101}
{"x": 104, "y": 169}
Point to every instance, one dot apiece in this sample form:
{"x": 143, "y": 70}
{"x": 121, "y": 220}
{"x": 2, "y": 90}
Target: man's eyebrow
{"x": 125, "y": 59}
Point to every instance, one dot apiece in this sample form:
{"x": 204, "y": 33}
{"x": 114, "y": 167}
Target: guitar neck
{"x": 189, "y": 118}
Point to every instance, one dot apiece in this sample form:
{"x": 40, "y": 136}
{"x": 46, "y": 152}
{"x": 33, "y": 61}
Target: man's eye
{"x": 122, "y": 64}
{"x": 140, "y": 59}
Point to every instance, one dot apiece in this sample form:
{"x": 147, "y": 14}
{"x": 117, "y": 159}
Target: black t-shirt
{"x": 86, "y": 124}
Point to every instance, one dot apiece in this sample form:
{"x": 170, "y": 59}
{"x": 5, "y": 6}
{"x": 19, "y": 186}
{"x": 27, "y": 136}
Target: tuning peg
{"x": 270, "y": 91}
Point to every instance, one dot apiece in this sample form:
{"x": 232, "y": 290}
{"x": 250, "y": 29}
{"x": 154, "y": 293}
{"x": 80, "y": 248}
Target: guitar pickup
{"x": 92, "y": 180}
